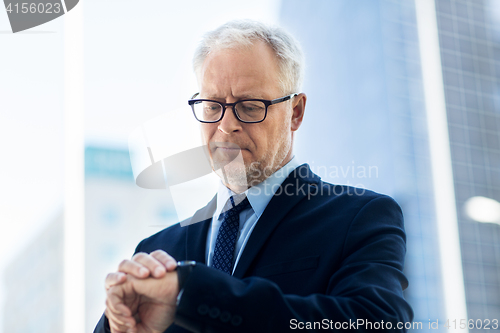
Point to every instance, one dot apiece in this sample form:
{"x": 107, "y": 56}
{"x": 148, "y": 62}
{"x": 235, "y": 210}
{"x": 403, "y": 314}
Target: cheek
{"x": 207, "y": 131}
{"x": 267, "y": 139}
{"x": 280, "y": 127}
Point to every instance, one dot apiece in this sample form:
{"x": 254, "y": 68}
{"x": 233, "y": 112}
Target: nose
{"x": 229, "y": 122}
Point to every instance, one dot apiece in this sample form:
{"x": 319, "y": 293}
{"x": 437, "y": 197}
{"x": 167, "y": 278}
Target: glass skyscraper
{"x": 469, "y": 36}
{"x": 366, "y": 108}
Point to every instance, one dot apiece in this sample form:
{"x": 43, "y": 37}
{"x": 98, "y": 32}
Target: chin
{"x": 232, "y": 174}
{"x": 229, "y": 165}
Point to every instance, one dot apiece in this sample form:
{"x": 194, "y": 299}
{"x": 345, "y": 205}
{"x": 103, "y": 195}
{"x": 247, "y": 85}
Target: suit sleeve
{"x": 102, "y": 326}
{"x": 367, "y": 288}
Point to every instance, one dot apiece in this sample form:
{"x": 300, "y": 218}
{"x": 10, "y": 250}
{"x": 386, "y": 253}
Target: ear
{"x": 299, "y": 106}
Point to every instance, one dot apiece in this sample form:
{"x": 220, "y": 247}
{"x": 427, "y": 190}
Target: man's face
{"x": 232, "y": 75}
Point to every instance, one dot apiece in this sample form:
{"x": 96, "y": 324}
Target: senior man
{"x": 277, "y": 249}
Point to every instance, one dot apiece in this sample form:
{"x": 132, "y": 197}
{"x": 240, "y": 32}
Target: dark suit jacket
{"x": 319, "y": 251}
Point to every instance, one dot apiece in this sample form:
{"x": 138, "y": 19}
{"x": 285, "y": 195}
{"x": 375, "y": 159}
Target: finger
{"x": 117, "y": 324}
{"x": 150, "y": 263}
{"x": 128, "y": 326}
{"x": 120, "y": 322}
{"x": 113, "y": 330}
{"x": 133, "y": 268}
{"x": 114, "y": 326}
{"x": 166, "y": 259}
{"x": 114, "y": 302}
{"x": 113, "y": 279}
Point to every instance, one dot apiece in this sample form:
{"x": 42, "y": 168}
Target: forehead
{"x": 243, "y": 71}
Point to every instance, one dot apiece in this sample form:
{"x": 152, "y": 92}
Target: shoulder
{"x": 355, "y": 196}
{"x": 318, "y": 192}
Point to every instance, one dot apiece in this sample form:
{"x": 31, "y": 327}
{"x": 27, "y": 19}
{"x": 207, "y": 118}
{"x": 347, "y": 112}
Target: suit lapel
{"x": 296, "y": 185}
{"x": 196, "y": 234}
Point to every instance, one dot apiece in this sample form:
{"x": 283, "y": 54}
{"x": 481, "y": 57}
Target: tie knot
{"x": 235, "y": 204}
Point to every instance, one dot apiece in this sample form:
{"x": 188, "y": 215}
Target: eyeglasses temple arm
{"x": 282, "y": 99}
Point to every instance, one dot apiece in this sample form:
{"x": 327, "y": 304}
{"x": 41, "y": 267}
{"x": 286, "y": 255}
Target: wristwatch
{"x": 184, "y": 268}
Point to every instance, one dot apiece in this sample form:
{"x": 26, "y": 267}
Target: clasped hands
{"x": 141, "y": 297}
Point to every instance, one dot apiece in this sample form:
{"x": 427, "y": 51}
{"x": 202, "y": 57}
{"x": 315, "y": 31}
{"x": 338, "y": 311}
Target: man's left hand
{"x": 150, "y": 302}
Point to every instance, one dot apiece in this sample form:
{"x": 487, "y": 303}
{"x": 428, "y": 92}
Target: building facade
{"x": 469, "y": 38}
{"x": 366, "y": 107}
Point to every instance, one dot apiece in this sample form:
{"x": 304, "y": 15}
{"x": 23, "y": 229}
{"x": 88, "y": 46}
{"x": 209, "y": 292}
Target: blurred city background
{"x": 368, "y": 123}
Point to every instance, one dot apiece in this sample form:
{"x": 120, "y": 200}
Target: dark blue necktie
{"x": 228, "y": 234}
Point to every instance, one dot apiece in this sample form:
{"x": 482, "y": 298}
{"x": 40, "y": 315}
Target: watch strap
{"x": 184, "y": 268}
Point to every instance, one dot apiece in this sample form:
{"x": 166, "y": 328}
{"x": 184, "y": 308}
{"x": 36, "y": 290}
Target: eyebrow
{"x": 241, "y": 97}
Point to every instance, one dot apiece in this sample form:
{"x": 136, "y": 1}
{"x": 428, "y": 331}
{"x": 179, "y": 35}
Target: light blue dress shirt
{"x": 258, "y": 196}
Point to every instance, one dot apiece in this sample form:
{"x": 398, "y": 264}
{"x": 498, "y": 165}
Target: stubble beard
{"x": 239, "y": 175}
{"x": 253, "y": 173}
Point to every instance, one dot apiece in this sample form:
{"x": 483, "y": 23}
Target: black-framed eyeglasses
{"x": 246, "y": 111}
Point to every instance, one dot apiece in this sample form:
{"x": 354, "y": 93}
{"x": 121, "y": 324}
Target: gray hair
{"x": 243, "y": 33}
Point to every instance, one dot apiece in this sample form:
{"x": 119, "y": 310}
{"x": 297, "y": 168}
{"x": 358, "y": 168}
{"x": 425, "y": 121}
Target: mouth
{"x": 225, "y": 152}
{"x": 225, "y": 146}
{"x": 228, "y": 149}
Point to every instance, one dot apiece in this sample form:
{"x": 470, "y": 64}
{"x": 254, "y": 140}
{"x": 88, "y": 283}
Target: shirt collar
{"x": 260, "y": 194}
